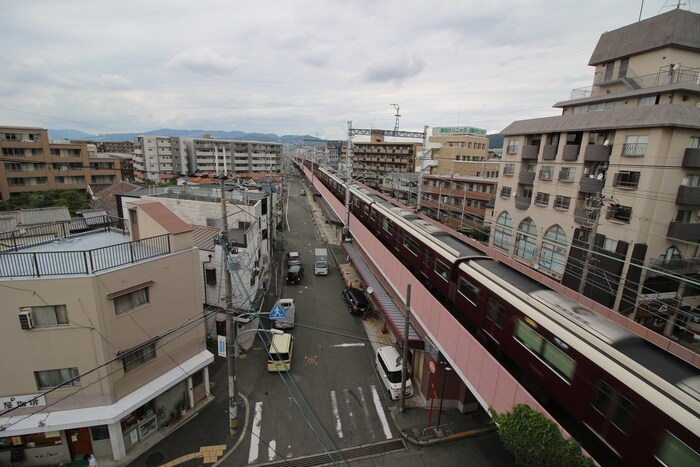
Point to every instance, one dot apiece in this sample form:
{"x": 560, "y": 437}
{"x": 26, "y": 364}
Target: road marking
{"x": 365, "y": 409}
{"x": 353, "y": 423}
{"x": 255, "y": 434}
{"x": 380, "y": 412}
{"x": 336, "y": 415}
{"x": 271, "y": 453}
{"x": 352, "y": 344}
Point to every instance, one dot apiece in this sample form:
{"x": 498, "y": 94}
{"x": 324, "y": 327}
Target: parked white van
{"x": 280, "y": 352}
{"x": 388, "y": 365}
{"x": 289, "y": 307}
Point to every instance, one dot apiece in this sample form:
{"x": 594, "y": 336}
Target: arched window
{"x": 526, "y": 240}
{"x": 503, "y": 232}
{"x": 553, "y": 250}
{"x": 670, "y": 255}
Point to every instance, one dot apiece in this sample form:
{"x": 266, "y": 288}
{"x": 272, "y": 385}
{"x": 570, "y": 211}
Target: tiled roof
{"x": 203, "y": 237}
{"x": 164, "y": 216}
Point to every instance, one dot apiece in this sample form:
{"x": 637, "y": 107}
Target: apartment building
{"x": 458, "y": 201}
{"x": 605, "y": 198}
{"x": 462, "y": 151}
{"x": 102, "y": 342}
{"x": 161, "y": 158}
{"x": 374, "y": 159}
{"x": 31, "y": 162}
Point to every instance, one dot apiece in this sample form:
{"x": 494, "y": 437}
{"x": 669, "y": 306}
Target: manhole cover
{"x": 155, "y": 459}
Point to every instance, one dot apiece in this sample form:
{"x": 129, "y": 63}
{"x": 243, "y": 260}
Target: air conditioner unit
{"x": 25, "y": 319}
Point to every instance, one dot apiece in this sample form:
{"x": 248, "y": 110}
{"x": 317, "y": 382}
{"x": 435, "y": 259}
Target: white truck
{"x": 321, "y": 262}
{"x": 289, "y": 307}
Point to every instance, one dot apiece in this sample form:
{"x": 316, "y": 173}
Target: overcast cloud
{"x": 297, "y": 67}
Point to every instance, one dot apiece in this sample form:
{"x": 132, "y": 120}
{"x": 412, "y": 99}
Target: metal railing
{"x": 60, "y": 263}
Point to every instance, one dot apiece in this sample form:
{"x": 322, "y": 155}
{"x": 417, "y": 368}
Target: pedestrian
{"x": 91, "y": 460}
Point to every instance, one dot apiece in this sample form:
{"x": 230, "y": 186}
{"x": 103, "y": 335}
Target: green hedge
{"x": 536, "y": 441}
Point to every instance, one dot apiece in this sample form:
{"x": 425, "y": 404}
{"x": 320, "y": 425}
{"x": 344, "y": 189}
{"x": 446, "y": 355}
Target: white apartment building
{"x": 159, "y": 158}
{"x": 605, "y": 198}
{"x": 100, "y": 348}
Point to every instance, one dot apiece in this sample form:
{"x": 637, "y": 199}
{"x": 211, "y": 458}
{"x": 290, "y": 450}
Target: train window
{"x": 602, "y": 395}
{"x": 388, "y": 225}
{"x": 623, "y": 413}
{"x": 365, "y": 209}
{"x": 469, "y": 291}
{"x": 426, "y": 256}
{"x": 528, "y": 337}
{"x": 495, "y": 312}
{"x": 411, "y": 244}
{"x": 675, "y": 453}
{"x": 373, "y": 215}
{"x": 559, "y": 361}
{"x": 441, "y": 269}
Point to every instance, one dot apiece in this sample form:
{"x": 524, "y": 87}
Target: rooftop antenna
{"x": 396, "y": 125}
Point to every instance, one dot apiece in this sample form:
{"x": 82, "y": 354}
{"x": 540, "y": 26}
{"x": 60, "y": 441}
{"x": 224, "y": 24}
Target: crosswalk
{"x": 352, "y": 416}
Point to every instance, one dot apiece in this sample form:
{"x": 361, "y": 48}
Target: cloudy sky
{"x": 297, "y": 67}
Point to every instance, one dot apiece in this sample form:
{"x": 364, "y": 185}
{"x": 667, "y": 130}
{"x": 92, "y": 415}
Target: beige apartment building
{"x": 462, "y": 151}
{"x": 31, "y": 163}
{"x": 103, "y": 337}
{"x": 374, "y": 159}
{"x": 605, "y": 198}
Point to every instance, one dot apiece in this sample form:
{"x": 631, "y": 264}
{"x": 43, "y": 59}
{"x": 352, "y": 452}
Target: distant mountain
{"x": 232, "y": 135}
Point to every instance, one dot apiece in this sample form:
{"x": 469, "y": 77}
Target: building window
{"x": 503, "y": 231}
{"x": 131, "y": 300}
{"x": 49, "y": 316}
{"x": 506, "y": 192}
{"x": 684, "y": 215}
{"x": 691, "y": 181}
{"x": 526, "y": 240}
{"x": 468, "y": 290}
{"x": 626, "y": 179}
{"x": 648, "y": 100}
{"x": 64, "y": 377}
{"x": 135, "y": 358}
{"x": 512, "y": 147}
{"x": 620, "y": 213}
{"x": 547, "y": 172}
{"x": 210, "y": 274}
{"x": 635, "y": 145}
{"x": 509, "y": 170}
{"x": 542, "y": 199}
{"x": 99, "y": 432}
{"x": 567, "y": 174}
{"x": 553, "y": 250}
{"x": 562, "y": 203}
{"x": 694, "y": 142}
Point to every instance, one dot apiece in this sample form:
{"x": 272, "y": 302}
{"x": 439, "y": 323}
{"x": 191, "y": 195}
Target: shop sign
{"x": 27, "y": 400}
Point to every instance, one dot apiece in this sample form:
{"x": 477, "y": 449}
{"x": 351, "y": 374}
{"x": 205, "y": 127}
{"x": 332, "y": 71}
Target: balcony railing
{"x": 63, "y": 263}
{"x": 691, "y": 158}
{"x": 591, "y": 185}
{"x": 530, "y": 152}
{"x": 684, "y": 231}
{"x": 688, "y": 195}
{"x": 522, "y": 202}
{"x": 549, "y": 152}
{"x": 597, "y": 153}
{"x": 571, "y": 152}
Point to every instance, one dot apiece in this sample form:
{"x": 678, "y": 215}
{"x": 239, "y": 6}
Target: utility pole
{"x": 231, "y": 329}
{"x": 404, "y": 357}
{"x": 598, "y": 204}
{"x": 348, "y": 176}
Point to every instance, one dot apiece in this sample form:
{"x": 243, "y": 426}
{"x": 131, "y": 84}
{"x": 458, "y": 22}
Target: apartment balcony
{"x": 683, "y": 231}
{"x": 584, "y": 216}
{"x": 549, "y": 152}
{"x": 591, "y": 185}
{"x": 526, "y": 178}
{"x": 688, "y": 195}
{"x": 676, "y": 266}
{"x": 691, "y": 158}
{"x": 597, "y": 153}
{"x": 571, "y": 152}
{"x": 522, "y": 202}
{"x": 530, "y": 152}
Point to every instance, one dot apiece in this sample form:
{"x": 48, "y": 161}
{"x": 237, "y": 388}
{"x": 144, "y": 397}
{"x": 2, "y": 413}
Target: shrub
{"x": 536, "y": 441}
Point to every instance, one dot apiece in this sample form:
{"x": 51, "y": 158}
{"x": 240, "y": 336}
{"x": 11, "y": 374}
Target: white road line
{"x": 255, "y": 434}
{"x": 271, "y": 453}
{"x": 351, "y": 344}
{"x": 380, "y": 412}
{"x": 363, "y": 404}
{"x": 336, "y": 415}
{"x": 348, "y": 406}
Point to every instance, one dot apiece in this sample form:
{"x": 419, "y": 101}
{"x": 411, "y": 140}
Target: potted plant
{"x": 182, "y": 405}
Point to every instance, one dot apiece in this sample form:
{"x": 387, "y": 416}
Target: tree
{"x": 74, "y": 200}
{"x": 535, "y": 440}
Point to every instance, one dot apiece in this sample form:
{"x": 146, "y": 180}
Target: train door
{"x": 495, "y": 317}
{"x": 610, "y": 415}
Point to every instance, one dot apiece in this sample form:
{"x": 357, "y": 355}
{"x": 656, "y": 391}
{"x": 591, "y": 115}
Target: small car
{"x": 293, "y": 257}
{"x": 302, "y": 192}
{"x": 294, "y": 274}
{"x": 356, "y": 300}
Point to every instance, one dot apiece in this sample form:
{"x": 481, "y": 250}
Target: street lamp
{"x": 442, "y": 392}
